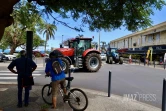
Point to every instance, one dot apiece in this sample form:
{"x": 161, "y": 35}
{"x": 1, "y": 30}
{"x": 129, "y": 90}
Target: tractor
{"x": 113, "y": 55}
{"x": 80, "y": 55}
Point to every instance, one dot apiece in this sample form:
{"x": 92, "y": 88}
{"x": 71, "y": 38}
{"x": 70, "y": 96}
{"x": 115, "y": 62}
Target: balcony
{"x": 160, "y": 42}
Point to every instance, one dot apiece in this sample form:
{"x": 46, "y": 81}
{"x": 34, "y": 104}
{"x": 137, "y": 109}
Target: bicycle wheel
{"x": 46, "y": 94}
{"x": 78, "y": 100}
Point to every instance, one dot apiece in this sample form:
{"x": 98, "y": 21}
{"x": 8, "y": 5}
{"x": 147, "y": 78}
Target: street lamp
{"x": 99, "y": 41}
{"x": 62, "y": 40}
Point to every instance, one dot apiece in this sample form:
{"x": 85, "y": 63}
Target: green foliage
{"x": 104, "y": 14}
{"x": 44, "y": 106}
{"x": 26, "y": 17}
{"x": 3, "y": 44}
{"x": 19, "y": 55}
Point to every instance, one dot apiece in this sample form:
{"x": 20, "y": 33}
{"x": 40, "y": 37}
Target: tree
{"x": 104, "y": 14}
{"x": 94, "y": 45}
{"x": 103, "y": 48}
{"x": 80, "y": 36}
{"x": 98, "y": 14}
{"x": 3, "y": 44}
{"x": 49, "y": 31}
{"x": 26, "y": 18}
{"x": 14, "y": 38}
{"x": 37, "y": 41}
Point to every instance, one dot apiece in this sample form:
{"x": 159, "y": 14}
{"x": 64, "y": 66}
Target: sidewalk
{"x": 98, "y": 101}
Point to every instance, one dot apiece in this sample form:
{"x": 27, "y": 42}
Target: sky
{"x": 158, "y": 17}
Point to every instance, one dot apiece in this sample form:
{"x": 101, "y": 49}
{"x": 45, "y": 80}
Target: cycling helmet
{"x": 55, "y": 54}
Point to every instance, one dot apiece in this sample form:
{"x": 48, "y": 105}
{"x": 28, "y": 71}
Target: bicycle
{"x": 71, "y": 93}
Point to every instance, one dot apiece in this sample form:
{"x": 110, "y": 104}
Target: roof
{"x": 153, "y": 29}
{"x": 73, "y": 39}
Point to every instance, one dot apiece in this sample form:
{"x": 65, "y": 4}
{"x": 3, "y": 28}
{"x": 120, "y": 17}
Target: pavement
{"x": 98, "y": 101}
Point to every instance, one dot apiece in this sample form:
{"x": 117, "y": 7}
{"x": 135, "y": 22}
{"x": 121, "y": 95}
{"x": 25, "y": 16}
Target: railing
{"x": 161, "y": 42}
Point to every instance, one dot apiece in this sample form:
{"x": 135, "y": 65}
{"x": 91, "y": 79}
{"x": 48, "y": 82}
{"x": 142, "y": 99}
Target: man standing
{"x": 22, "y": 64}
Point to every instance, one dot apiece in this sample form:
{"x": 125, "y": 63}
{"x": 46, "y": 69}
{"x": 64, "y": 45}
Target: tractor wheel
{"x": 66, "y": 65}
{"x": 120, "y": 60}
{"x": 93, "y": 62}
{"x": 110, "y": 60}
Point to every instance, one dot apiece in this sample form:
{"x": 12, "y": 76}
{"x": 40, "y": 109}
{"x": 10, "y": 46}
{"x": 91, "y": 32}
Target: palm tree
{"x": 49, "y": 31}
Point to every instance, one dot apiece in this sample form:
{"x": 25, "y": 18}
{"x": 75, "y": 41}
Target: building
{"x": 153, "y": 36}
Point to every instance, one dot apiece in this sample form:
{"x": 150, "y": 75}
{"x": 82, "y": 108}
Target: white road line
{"x": 9, "y": 74}
{"x": 3, "y": 89}
{"x": 9, "y": 77}
{"x": 7, "y": 82}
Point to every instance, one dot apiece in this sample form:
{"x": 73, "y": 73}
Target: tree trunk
{"x": 3, "y": 49}
{"x": 13, "y": 48}
{"x": 46, "y": 42}
{"x": 45, "y": 46}
{"x": 6, "y": 8}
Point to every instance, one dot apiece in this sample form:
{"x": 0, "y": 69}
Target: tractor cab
{"x": 80, "y": 45}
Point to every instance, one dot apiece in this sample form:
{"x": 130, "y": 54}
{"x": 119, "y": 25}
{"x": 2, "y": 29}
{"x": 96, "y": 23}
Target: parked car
{"x": 103, "y": 56}
{"x": 38, "y": 54}
{"x": 45, "y": 54}
{"x": 9, "y": 56}
{"x": 3, "y": 57}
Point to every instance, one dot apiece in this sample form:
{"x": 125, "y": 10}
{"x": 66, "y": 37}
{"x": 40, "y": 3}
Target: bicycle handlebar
{"x": 46, "y": 76}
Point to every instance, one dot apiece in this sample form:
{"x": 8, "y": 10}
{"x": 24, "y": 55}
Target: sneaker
{"x": 26, "y": 104}
{"x": 19, "y": 105}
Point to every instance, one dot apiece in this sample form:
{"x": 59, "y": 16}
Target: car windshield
{"x": 114, "y": 50}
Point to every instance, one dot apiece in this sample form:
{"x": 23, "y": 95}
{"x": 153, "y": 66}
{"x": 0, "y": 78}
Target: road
{"x": 142, "y": 82}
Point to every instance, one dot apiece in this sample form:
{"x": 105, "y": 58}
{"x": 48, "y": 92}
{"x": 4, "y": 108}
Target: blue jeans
{"x": 26, "y": 96}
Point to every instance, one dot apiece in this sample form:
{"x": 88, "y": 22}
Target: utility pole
{"x": 99, "y": 41}
{"x": 62, "y": 40}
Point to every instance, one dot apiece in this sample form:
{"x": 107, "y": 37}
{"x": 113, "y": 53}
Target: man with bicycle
{"x": 56, "y": 78}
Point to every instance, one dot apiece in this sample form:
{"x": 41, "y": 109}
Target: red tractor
{"x": 81, "y": 55}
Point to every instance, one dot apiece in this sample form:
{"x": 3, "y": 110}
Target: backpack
{"x": 57, "y": 68}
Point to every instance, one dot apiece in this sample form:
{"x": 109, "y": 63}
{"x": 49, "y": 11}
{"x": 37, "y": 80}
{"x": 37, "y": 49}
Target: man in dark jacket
{"x": 24, "y": 67}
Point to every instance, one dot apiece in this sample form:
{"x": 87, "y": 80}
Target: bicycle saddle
{"x": 69, "y": 78}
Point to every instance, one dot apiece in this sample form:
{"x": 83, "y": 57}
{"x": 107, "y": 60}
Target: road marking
{"x": 9, "y": 74}
{"x": 3, "y": 89}
{"x": 8, "y": 83}
{"x": 9, "y": 77}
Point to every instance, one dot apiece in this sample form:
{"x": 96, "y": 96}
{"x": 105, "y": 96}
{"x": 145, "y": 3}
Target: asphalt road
{"x": 140, "y": 82}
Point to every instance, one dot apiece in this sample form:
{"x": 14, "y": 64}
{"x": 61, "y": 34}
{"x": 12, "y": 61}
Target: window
{"x": 143, "y": 39}
{"x": 158, "y": 37}
{"x": 150, "y": 38}
{"x": 138, "y": 41}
